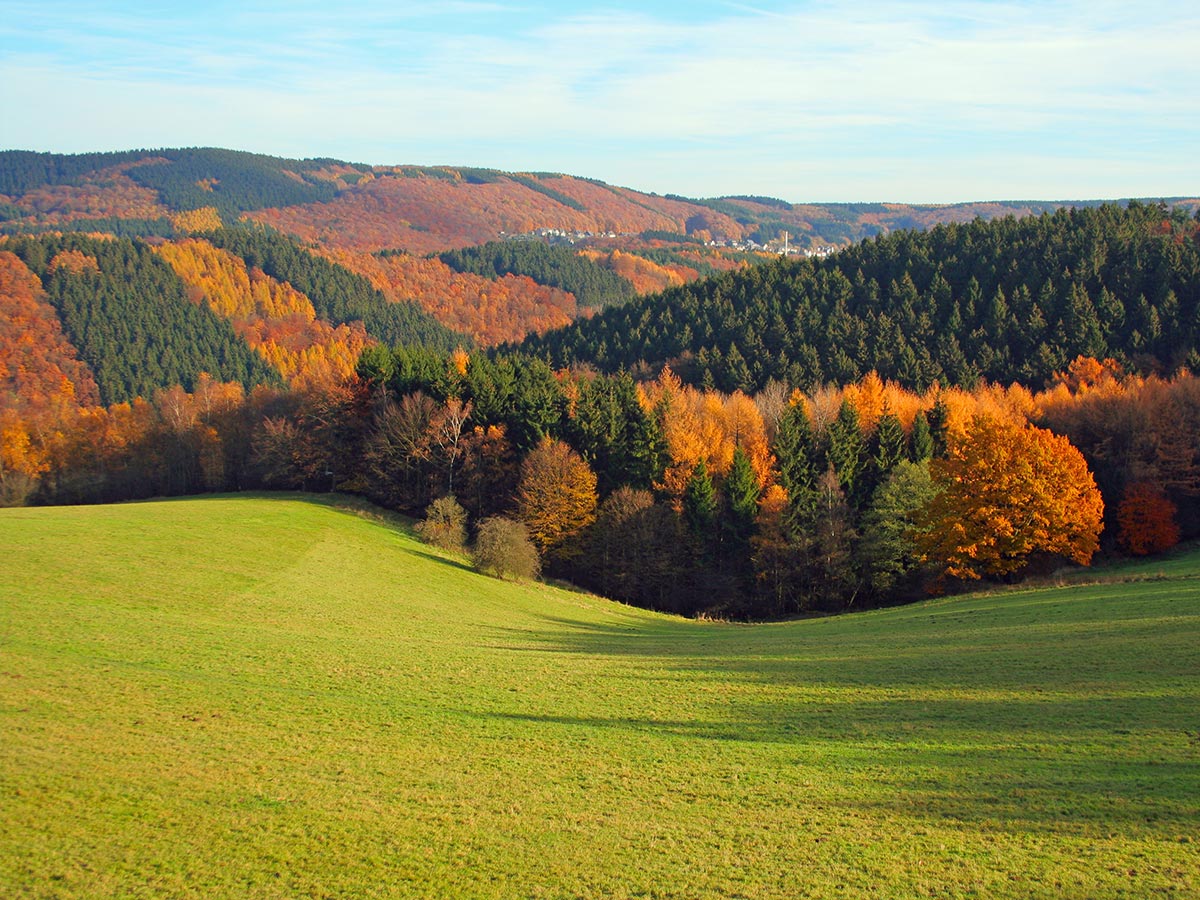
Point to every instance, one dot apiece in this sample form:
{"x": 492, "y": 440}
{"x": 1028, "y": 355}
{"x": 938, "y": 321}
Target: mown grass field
{"x": 275, "y": 698}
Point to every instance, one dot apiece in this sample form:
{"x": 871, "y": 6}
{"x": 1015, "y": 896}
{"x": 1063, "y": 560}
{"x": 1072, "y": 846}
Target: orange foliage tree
{"x": 706, "y": 425}
{"x": 271, "y": 316}
{"x": 646, "y": 276}
{"x": 1007, "y": 492}
{"x": 21, "y": 463}
{"x": 490, "y": 310}
{"x": 39, "y": 368}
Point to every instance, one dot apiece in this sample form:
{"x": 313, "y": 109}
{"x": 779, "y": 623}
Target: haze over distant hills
{"x": 421, "y": 209}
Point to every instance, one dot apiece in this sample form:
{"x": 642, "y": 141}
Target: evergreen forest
{"x": 561, "y": 267}
{"x": 1002, "y": 301}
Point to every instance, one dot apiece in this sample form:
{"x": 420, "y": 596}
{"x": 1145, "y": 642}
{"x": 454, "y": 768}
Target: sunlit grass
{"x": 274, "y": 697}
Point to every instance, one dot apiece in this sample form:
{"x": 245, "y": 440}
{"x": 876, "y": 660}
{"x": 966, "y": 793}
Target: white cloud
{"x": 883, "y": 99}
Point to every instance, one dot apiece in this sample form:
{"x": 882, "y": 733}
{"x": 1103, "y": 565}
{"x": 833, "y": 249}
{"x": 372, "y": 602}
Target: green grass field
{"x": 277, "y": 698}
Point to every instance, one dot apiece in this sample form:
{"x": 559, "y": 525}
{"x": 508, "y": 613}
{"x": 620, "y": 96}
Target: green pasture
{"x": 275, "y": 697}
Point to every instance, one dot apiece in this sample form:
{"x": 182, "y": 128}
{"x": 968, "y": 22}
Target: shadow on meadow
{"x": 1030, "y": 781}
{"x": 1073, "y": 713}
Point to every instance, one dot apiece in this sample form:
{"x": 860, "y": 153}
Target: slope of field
{"x": 275, "y": 698}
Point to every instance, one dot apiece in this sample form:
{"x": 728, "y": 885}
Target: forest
{"x": 129, "y": 316}
{"x": 670, "y": 496}
{"x": 1005, "y": 300}
{"x": 190, "y": 178}
{"x": 338, "y": 295}
{"x": 560, "y": 267}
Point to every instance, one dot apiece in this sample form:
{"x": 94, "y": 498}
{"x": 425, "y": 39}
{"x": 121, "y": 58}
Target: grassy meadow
{"x": 274, "y": 697}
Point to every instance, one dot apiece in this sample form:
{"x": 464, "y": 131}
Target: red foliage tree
{"x": 1147, "y": 520}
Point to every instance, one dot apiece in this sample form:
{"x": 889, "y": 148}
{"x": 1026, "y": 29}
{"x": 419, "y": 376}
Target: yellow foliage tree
{"x": 706, "y": 425}
{"x": 191, "y": 221}
{"x": 271, "y": 316}
{"x": 556, "y": 496}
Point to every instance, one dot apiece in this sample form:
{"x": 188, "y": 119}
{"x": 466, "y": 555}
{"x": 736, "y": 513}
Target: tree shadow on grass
{"x": 1077, "y": 722}
{"x": 953, "y": 767}
{"x": 450, "y": 561}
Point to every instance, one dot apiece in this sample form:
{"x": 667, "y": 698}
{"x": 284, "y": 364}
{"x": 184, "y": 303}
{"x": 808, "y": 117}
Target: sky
{"x": 877, "y": 100}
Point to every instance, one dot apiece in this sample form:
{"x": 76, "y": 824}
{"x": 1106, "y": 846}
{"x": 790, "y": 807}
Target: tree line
{"x": 233, "y": 181}
{"x": 671, "y": 496}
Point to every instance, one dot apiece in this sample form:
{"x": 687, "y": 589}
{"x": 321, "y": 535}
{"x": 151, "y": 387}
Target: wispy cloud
{"x": 884, "y": 98}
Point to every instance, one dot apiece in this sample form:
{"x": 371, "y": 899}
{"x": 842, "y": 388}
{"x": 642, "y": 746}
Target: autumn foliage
{"x": 556, "y": 497}
{"x": 706, "y": 425}
{"x": 38, "y": 365}
{"x": 1147, "y": 520}
{"x": 1006, "y": 492}
{"x": 490, "y": 310}
{"x": 444, "y": 209}
{"x": 271, "y": 316}
{"x": 646, "y": 276}
{"x": 105, "y": 194}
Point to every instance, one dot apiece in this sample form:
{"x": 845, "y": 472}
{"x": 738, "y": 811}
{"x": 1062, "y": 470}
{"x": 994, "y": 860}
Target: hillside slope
{"x": 193, "y": 707}
{"x": 1006, "y": 300}
{"x": 353, "y": 212}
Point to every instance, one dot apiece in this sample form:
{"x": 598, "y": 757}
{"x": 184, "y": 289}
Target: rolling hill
{"x": 193, "y": 707}
{"x": 388, "y": 223}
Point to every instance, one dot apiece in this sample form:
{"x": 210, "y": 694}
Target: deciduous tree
{"x": 1147, "y": 519}
{"x": 556, "y": 496}
{"x": 1005, "y": 493}
{"x": 503, "y": 549}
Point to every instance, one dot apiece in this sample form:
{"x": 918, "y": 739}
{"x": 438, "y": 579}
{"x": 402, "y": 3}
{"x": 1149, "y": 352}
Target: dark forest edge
{"x": 676, "y": 498}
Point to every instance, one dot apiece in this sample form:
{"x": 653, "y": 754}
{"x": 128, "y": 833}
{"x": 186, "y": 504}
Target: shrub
{"x": 445, "y": 524}
{"x": 503, "y": 548}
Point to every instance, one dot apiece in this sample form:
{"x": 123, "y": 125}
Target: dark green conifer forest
{"x": 131, "y": 319}
{"x": 561, "y": 267}
{"x": 1006, "y": 300}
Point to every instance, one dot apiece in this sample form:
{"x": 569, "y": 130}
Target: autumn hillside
{"x": 352, "y": 213}
{"x": 421, "y": 209}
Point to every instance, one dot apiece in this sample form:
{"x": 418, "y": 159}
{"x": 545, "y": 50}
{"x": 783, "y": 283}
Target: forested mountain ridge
{"x": 426, "y": 209}
{"x": 1005, "y": 300}
{"x": 388, "y": 223}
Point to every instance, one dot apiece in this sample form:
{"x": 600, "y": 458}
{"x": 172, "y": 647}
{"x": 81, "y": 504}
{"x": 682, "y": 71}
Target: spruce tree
{"x": 921, "y": 446}
{"x": 847, "y": 452}
{"x": 741, "y": 492}
{"x": 700, "y": 501}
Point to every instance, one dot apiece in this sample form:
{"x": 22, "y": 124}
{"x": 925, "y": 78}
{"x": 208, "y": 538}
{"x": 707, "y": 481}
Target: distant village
{"x": 781, "y": 246}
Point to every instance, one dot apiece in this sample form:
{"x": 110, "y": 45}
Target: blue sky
{"x": 874, "y": 100}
